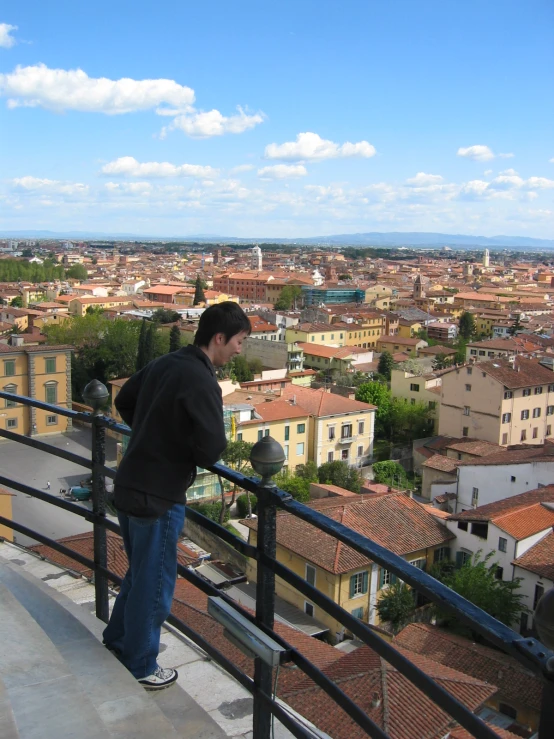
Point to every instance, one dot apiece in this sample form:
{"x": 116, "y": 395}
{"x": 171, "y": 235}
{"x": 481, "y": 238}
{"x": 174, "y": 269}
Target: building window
{"x": 474, "y": 496}
{"x": 51, "y": 389}
{"x": 538, "y": 390}
{"x": 359, "y": 584}
{"x": 506, "y": 417}
{"x": 508, "y": 394}
{"x": 360, "y": 451}
{"x": 523, "y": 436}
{"x": 344, "y": 455}
{"x": 301, "y": 428}
{"x": 536, "y": 412}
{"x": 507, "y": 710}
{"x": 331, "y": 433}
{"x": 11, "y": 423}
{"x": 524, "y": 415}
{"x": 465, "y": 431}
{"x": 535, "y": 433}
{"x": 346, "y": 431}
{"x": 498, "y": 573}
{"x": 469, "y": 370}
{"x": 51, "y": 420}
{"x": 466, "y": 410}
{"x": 9, "y": 367}
{"x": 50, "y": 364}
{"x": 414, "y": 388}
{"x": 310, "y": 575}
{"x": 513, "y": 478}
{"x": 432, "y": 405}
{"x": 526, "y": 392}
{"x": 462, "y": 525}
{"x": 239, "y": 436}
{"x": 287, "y": 433}
{"x": 386, "y": 578}
{"x": 481, "y": 353}
{"x": 462, "y": 557}
{"x": 468, "y": 388}
{"x": 266, "y": 432}
{"x": 504, "y": 438}
{"x": 361, "y": 427}
{"x": 441, "y": 554}
{"x": 473, "y": 352}
{"x": 10, "y": 389}
{"x": 300, "y": 448}
{"x": 539, "y": 592}
{"x": 548, "y": 430}
{"x": 358, "y": 613}
{"x": 502, "y": 544}
{"x": 260, "y": 435}
{"x": 286, "y": 451}
{"x": 330, "y": 456}
{"x": 309, "y": 609}
{"x": 551, "y": 388}
{"x": 550, "y": 410}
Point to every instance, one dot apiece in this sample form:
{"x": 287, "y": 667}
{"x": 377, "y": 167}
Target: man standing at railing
{"x": 175, "y": 410}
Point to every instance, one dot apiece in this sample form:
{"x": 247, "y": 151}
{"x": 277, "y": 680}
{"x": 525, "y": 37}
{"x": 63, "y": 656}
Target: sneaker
{"x": 159, "y": 679}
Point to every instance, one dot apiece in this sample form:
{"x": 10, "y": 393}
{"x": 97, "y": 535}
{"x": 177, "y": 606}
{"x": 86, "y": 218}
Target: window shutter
{"x": 352, "y": 586}
{"x": 393, "y": 578}
{"x": 459, "y": 559}
{"x": 381, "y": 578}
{"x": 365, "y": 582}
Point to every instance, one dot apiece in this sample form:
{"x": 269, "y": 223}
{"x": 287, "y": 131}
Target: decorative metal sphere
{"x": 544, "y": 619}
{"x": 267, "y": 457}
{"x": 96, "y": 394}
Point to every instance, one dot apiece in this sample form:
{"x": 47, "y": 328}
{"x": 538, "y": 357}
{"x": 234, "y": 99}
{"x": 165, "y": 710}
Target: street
{"x": 36, "y": 468}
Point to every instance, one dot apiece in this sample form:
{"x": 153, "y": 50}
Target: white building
{"x": 486, "y": 259}
{"x": 536, "y": 568}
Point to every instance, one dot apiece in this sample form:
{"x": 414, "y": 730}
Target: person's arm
{"x": 126, "y": 398}
{"x": 205, "y": 408}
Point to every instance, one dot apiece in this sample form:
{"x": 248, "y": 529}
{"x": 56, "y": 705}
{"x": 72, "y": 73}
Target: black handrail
{"x": 528, "y": 651}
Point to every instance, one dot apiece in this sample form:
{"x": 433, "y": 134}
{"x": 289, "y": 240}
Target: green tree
{"x": 17, "y": 302}
{"x": 396, "y": 605}
{"x": 466, "y": 327}
{"x": 460, "y": 356}
{"x": 141, "y": 350}
{"x": 386, "y": 363}
{"x": 441, "y": 361}
{"x": 174, "y": 339}
{"x": 198, "y": 291}
{"x": 150, "y": 352}
{"x": 237, "y": 456}
{"x": 289, "y": 297}
{"x": 77, "y": 272}
{"x": 516, "y": 326}
{"x": 307, "y": 471}
{"x": 341, "y": 474}
{"x": 408, "y": 422}
{"x": 256, "y": 366}
{"x": 390, "y": 473}
{"x": 298, "y": 487}
{"x": 241, "y": 370}
{"x": 165, "y": 315}
{"x": 379, "y": 395}
{"x": 477, "y": 581}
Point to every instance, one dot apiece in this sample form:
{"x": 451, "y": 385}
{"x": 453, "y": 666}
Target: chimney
{"x": 375, "y": 700}
{"x": 294, "y": 400}
{"x": 16, "y": 340}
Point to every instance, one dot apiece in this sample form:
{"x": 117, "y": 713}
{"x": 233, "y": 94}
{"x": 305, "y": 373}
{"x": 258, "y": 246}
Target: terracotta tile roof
{"x": 525, "y": 522}
{"x": 539, "y": 558}
{"x": 321, "y": 403}
{"x": 475, "y": 446}
{"x": 441, "y": 463}
{"x": 394, "y": 521}
{"x": 6, "y": 349}
{"x": 524, "y": 372}
{"x": 507, "y": 505}
{"x": 460, "y": 733}
{"x": 523, "y": 455}
{"x": 276, "y": 410}
{"x": 515, "y": 683}
{"x": 331, "y": 352}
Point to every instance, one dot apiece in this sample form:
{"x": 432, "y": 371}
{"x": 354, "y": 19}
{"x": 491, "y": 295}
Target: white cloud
{"x": 422, "y": 180}
{"x": 540, "y": 183}
{"x": 6, "y": 39}
{"x": 310, "y": 146}
{"x": 242, "y": 168}
{"x": 130, "y": 167}
{"x": 551, "y": 160}
{"x": 129, "y": 188}
{"x": 480, "y": 153}
{"x": 60, "y": 90}
{"x": 36, "y": 184}
{"x": 282, "y": 171}
{"x": 212, "y": 123}
{"x": 509, "y": 172}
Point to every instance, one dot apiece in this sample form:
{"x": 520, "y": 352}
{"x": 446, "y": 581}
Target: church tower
{"x": 419, "y": 292}
{"x": 256, "y": 258}
{"x": 486, "y": 258}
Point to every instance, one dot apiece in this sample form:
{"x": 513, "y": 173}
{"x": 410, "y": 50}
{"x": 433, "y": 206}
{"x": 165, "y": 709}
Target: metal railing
{"x": 528, "y": 651}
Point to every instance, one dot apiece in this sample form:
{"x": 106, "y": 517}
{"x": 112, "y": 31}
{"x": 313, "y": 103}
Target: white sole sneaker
{"x": 161, "y": 678}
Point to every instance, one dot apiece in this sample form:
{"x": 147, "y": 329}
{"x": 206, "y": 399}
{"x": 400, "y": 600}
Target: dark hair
{"x": 222, "y": 318}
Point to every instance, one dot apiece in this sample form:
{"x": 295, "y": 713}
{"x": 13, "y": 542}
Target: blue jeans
{"x": 144, "y": 600}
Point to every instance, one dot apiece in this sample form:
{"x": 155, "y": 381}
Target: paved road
{"x": 36, "y": 468}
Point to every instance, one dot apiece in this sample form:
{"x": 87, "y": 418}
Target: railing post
{"x": 95, "y": 394}
{"x": 267, "y": 458}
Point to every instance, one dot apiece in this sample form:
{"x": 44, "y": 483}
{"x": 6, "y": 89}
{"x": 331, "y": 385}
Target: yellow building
{"x": 414, "y": 389}
{"x": 78, "y": 306}
{"x": 6, "y": 512}
{"x": 317, "y": 333}
{"x": 409, "y": 329}
{"x": 284, "y": 421}
{"x": 366, "y": 332}
{"x": 40, "y": 372}
{"x": 351, "y": 580}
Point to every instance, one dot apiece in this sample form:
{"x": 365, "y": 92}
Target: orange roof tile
{"x": 539, "y": 558}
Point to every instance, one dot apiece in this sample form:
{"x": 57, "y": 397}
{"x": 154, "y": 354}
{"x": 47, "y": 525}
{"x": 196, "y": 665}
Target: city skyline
{"x": 287, "y": 121}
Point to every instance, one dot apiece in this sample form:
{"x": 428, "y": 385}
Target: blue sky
{"x": 262, "y": 119}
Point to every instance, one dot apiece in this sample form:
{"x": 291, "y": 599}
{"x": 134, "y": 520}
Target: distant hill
{"x": 417, "y": 239}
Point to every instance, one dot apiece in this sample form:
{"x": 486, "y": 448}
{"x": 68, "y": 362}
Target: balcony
{"x": 85, "y": 675}
{"x": 347, "y": 439}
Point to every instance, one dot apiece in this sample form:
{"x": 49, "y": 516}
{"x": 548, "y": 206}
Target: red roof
{"x": 539, "y": 558}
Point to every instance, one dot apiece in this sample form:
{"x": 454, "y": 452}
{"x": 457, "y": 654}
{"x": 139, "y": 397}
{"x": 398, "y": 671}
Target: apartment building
{"x": 284, "y": 421}
{"x": 329, "y": 359}
{"x": 247, "y": 285}
{"x": 351, "y": 580}
{"x": 342, "y": 429}
{"x": 418, "y": 389}
{"x": 395, "y": 344}
{"x": 40, "y": 372}
{"x": 535, "y": 567}
{"x": 366, "y": 331}
{"x": 79, "y": 306}
{"x": 318, "y": 333}
{"x": 504, "y": 402}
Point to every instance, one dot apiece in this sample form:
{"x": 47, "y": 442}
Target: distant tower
{"x": 486, "y": 258}
{"x": 256, "y": 258}
{"x": 419, "y": 292}
{"x": 330, "y": 273}
{"x": 203, "y": 258}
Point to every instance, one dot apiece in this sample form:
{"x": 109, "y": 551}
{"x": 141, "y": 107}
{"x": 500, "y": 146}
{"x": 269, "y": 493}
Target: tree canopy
{"x": 386, "y": 363}
{"x": 289, "y": 297}
{"x": 198, "y": 291}
{"x": 77, "y": 272}
{"x": 390, "y": 473}
{"x": 467, "y": 327}
{"x": 12, "y": 270}
{"x": 396, "y": 604}
{"x": 341, "y": 474}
